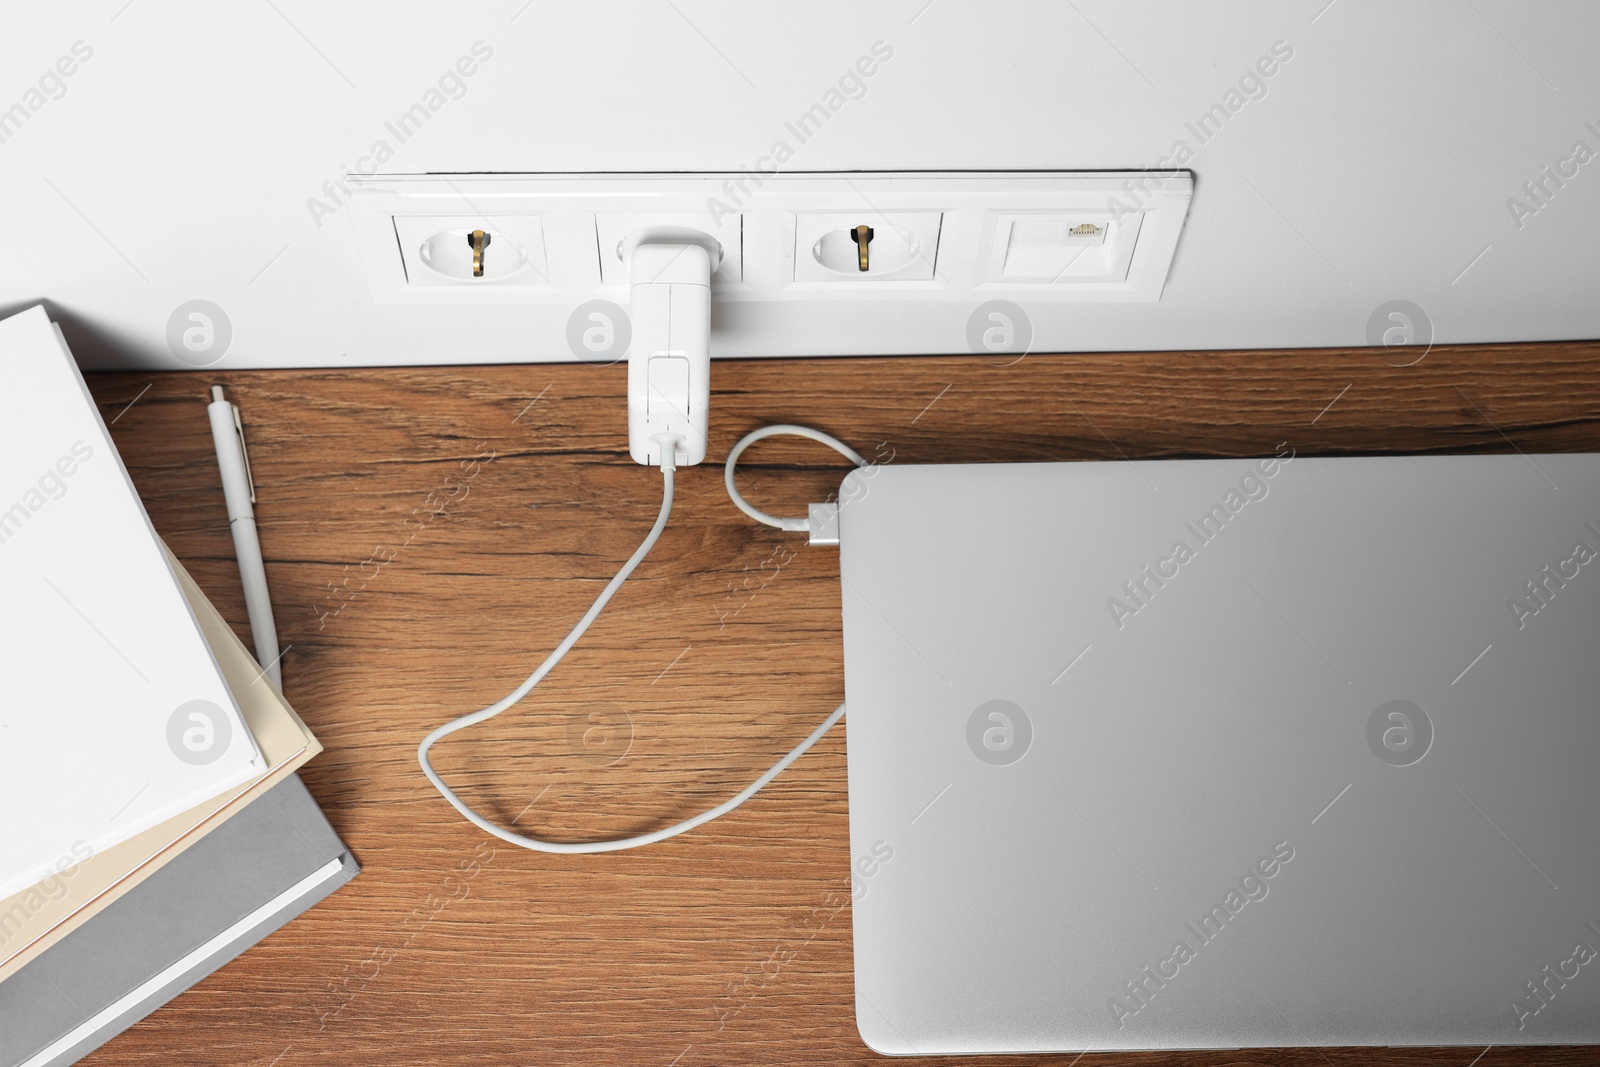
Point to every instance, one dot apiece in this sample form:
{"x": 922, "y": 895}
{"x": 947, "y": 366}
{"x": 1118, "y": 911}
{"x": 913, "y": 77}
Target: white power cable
{"x": 799, "y": 525}
{"x": 668, "y": 467}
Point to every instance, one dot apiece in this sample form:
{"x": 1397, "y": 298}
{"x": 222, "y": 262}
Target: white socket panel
{"x": 1034, "y": 239}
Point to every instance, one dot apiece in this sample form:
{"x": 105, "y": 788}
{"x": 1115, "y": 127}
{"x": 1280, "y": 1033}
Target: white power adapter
{"x": 669, "y": 359}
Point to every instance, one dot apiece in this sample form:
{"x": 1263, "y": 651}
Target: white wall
{"x": 179, "y": 161}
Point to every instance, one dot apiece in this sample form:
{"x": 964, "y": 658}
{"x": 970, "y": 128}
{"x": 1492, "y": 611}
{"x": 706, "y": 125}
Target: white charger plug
{"x": 669, "y": 359}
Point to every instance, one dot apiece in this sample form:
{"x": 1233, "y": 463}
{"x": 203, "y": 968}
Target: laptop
{"x": 1194, "y": 754}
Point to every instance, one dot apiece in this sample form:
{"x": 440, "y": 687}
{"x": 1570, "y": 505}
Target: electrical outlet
{"x": 612, "y": 229}
{"x": 902, "y": 246}
{"x": 437, "y": 251}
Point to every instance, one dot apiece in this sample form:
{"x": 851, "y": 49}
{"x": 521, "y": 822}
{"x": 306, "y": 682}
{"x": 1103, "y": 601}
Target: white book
{"x": 114, "y": 714}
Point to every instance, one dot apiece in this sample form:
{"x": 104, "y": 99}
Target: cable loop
{"x": 796, "y": 525}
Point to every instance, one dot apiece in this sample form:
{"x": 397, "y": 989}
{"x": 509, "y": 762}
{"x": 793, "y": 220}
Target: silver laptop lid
{"x": 1223, "y": 753}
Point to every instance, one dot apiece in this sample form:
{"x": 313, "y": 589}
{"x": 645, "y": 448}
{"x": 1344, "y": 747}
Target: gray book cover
{"x": 269, "y": 863}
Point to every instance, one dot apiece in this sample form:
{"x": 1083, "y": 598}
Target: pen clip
{"x": 238, "y": 428}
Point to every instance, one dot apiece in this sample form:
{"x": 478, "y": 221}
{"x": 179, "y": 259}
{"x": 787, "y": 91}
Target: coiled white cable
{"x": 536, "y": 844}
{"x": 801, "y": 524}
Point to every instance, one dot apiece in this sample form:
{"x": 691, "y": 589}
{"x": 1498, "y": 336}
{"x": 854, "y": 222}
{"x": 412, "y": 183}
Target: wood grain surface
{"x": 431, "y": 533}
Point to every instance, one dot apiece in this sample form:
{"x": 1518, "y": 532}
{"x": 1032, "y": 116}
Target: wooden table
{"x": 430, "y": 534}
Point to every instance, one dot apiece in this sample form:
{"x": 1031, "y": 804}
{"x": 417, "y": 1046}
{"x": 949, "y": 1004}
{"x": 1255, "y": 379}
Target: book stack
{"x": 154, "y": 826}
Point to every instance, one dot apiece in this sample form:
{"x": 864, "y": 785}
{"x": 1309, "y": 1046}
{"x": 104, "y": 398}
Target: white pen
{"x": 239, "y": 489}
